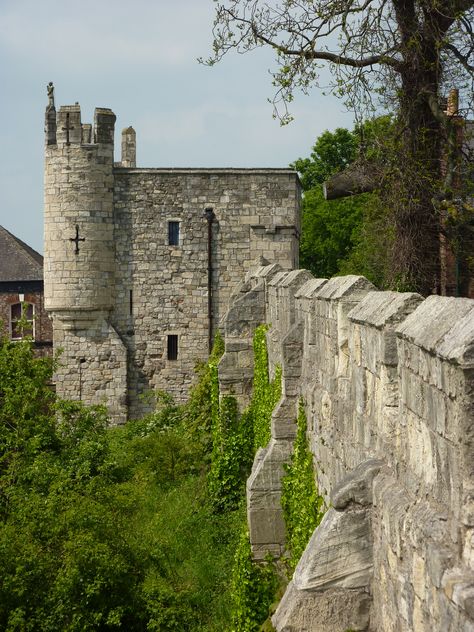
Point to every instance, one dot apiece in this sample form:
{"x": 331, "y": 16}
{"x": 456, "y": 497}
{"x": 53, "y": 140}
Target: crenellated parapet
{"x": 387, "y": 380}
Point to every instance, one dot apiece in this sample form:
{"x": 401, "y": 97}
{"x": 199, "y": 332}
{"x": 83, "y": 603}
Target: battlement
{"x": 64, "y": 128}
{"x": 68, "y": 125}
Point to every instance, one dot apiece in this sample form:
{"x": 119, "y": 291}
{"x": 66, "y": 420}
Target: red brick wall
{"x": 43, "y": 325}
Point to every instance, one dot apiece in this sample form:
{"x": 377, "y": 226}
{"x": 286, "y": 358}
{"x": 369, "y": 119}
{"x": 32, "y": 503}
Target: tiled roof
{"x": 18, "y": 262}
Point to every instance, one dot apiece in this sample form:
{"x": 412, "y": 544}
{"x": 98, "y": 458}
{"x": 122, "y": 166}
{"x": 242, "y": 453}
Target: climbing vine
{"x": 235, "y": 440}
{"x": 265, "y": 394}
{"x": 225, "y": 481}
{"x": 253, "y": 588}
{"x": 202, "y": 409}
{"x": 303, "y": 507}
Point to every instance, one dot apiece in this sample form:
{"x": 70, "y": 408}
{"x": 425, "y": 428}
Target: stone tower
{"x": 79, "y": 246}
{"x": 79, "y": 252}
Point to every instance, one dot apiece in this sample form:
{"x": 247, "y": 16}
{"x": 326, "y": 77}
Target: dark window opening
{"x": 131, "y": 302}
{"x": 172, "y": 347}
{"x": 22, "y": 321}
{"x": 173, "y": 233}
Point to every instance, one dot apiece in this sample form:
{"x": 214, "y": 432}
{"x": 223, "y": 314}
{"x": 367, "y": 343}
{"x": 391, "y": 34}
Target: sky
{"x": 139, "y": 59}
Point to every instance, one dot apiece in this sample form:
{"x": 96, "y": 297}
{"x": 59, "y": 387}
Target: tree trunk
{"x": 416, "y": 253}
{"x": 357, "y": 178}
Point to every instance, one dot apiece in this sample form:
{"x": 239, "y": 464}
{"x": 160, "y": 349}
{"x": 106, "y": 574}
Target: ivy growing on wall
{"x": 253, "y": 588}
{"x": 225, "y": 481}
{"x": 265, "y": 394}
{"x": 254, "y": 585}
{"x": 303, "y": 507}
{"x": 202, "y": 409}
{"x": 235, "y": 439}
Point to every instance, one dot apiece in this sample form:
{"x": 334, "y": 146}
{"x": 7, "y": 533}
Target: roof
{"x": 18, "y": 262}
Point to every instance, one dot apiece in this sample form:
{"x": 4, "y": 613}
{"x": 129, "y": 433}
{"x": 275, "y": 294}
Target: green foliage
{"x": 303, "y": 508}
{"x": 202, "y": 408}
{"x": 100, "y": 528}
{"x": 236, "y": 438}
{"x": 225, "y": 479}
{"x": 265, "y": 394}
{"x": 26, "y": 403}
{"x": 329, "y": 231}
{"x": 116, "y": 528}
{"x": 350, "y": 235}
{"x": 372, "y": 241}
{"x": 254, "y": 585}
{"x": 332, "y": 152}
{"x": 253, "y": 588}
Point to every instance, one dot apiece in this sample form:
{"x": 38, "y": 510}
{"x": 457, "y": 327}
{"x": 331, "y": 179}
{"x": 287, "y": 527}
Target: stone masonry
{"x": 387, "y": 380}
{"x": 137, "y": 273}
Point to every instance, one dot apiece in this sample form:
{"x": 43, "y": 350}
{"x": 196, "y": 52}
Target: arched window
{"x": 22, "y": 321}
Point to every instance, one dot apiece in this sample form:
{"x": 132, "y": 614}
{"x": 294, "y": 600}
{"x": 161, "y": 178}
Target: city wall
{"x": 387, "y": 380}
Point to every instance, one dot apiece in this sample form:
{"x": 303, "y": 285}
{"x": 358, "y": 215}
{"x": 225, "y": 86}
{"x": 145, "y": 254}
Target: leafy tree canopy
{"x": 332, "y": 152}
{"x": 371, "y": 46}
{"x": 103, "y": 528}
{"x": 332, "y": 231}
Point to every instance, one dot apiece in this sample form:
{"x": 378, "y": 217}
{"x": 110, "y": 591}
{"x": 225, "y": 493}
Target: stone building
{"x": 21, "y": 294}
{"x": 140, "y": 263}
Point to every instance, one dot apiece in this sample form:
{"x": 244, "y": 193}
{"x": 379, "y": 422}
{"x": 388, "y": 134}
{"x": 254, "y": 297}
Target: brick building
{"x": 21, "y": 293}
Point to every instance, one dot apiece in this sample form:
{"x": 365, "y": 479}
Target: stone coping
{"x": 443, "y": 326}
{"x": 263, "y": 271}
{"x": 288, "y": 278}
{"x": 344, "y": 286}
{"x": 310, "y": 288}
{"x": 378, "y": 309}
{"x": 209, "y": 170}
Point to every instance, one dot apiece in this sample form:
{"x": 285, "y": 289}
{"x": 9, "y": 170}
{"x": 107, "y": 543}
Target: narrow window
{"x": 172, "y": 347}
{"x": 21, "y": 320}
{"x": 131, "y": 303}
{"x": 173, "y": 233}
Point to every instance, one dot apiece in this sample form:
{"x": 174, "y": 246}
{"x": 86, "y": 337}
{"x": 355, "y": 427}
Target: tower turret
{"x": 79, "y": 256}
{"x": 129, "y": 147}
{"x": 79, "y": 247}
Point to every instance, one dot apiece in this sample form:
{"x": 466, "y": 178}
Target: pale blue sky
{"x": 140, "y": 60}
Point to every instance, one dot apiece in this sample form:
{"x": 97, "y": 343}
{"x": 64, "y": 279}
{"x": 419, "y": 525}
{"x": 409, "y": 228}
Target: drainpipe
{"x": 210, "y": 217}
{"x": 81, "y": 362}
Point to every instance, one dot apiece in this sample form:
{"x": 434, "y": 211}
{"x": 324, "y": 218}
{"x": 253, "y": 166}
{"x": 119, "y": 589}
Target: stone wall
{"x": 388, "y": 384}
{"x": 92, "y": 364}
{"x": 255, "y": 216}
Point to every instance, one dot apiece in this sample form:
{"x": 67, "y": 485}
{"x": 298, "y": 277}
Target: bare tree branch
{"x": 463, "y": 59}
{"x": 335, "y": 58}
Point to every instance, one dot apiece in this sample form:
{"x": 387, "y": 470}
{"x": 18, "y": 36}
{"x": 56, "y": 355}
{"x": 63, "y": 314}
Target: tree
{"x": 95, "y": 522}
{"x": 334, "y": 232}
{"x": 403, "y": 50}
{"x": 327, "y": 228}
{"x": 332, "y": 152}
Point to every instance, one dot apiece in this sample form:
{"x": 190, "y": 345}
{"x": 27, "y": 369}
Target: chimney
{"x": 452, "y": 107}
{"x": 129, "y": 147}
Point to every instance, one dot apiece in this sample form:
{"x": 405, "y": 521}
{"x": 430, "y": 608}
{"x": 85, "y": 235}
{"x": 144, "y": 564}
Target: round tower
{"x": 78, "y": 209}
